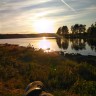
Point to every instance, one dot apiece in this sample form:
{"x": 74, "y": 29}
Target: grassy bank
{"x": 62, "y": 76}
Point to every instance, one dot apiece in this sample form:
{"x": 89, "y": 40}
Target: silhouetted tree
{"x": 72, "y": 29}
{"x": 89, "y": 30}
{"x": 75, "y": 29}
{"x": 95, "y": 24}
{"x": 82, "y": 28}
{"x": 59, "y": 31}
{"x": 65, "y": 30}
{"x": 78, "y": 28}
{"x": 92, "y": 30}
{"x": 62, "y": 30}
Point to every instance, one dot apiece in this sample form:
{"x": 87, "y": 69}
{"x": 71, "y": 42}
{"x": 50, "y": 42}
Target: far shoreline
{"x": 16, "y": 36}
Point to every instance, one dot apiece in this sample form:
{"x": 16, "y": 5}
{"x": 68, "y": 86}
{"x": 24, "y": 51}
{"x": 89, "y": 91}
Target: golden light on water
{"x": 44, "y": 26}
{"x": 44, "y": 44}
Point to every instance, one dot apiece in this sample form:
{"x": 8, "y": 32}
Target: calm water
{"x": 84, "y": 47}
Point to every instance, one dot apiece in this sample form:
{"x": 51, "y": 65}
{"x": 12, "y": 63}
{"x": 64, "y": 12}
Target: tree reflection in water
{"x": 76, "y": 44}
{"x": 58, "y": 41}
{"x": 92, "y": 43}
{"x": 62, "y": 43}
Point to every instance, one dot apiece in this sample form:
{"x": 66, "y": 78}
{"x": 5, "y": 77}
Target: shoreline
{"x": 76, "y": 57}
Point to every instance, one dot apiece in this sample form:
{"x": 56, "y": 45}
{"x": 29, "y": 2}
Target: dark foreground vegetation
{"x": 63, "y": 75}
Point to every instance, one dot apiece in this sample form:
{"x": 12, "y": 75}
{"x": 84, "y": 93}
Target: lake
{"x": 81, "y": 46}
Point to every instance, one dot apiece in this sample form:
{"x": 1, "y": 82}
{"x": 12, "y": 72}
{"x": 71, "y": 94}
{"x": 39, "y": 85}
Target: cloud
{"x": 68, "y": 5}
{"x": 19, "y": 15}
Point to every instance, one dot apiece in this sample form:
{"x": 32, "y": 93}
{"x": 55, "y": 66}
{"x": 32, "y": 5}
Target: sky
{"x": 37, "y": 16}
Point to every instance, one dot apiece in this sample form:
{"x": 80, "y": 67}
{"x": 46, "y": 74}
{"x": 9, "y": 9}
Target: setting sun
{"x": 44, "y": 26}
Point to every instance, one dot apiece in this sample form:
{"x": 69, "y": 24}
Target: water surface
{"x": 81, "y": 46}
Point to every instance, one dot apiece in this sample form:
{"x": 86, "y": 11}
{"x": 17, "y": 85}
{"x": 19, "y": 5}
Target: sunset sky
{"x": 37, "y": 16}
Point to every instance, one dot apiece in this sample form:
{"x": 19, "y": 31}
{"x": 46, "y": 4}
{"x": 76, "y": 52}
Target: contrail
{"x": 68, "y": 5}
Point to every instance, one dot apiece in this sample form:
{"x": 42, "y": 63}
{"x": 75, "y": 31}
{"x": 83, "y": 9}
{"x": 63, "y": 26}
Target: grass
{"x": 63, "y": 77}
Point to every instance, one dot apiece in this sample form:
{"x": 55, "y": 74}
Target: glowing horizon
{"x": 44, "y": 26}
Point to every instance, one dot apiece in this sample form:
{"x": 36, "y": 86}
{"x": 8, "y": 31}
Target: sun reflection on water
{"x": 44, "y": 44}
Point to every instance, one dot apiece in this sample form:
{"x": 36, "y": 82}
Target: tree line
{"x": 77, "y": 29}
